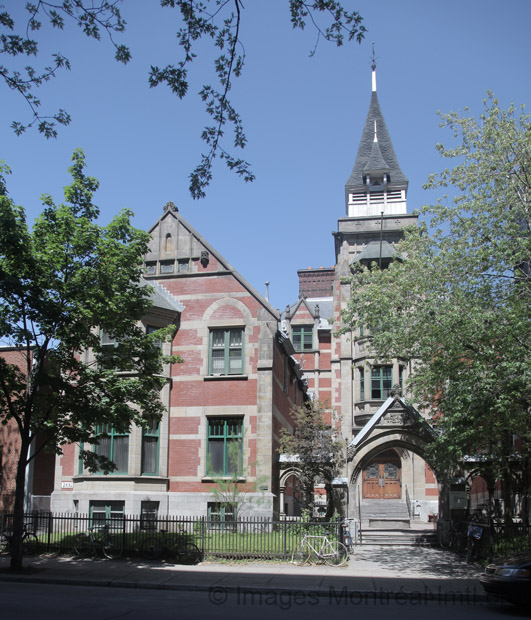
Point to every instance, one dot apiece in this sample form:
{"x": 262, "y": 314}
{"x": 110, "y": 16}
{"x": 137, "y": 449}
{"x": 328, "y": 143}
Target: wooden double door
{"x": 382, "y": 477}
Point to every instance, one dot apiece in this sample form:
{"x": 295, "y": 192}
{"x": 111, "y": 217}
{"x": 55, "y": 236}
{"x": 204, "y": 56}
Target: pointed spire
{"x": 373, "y": 67}
{"x": 375, "y": 151}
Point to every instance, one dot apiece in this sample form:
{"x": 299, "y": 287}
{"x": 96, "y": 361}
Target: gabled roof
{"x": 378, "y": 415}
{"x": 383, "y": 155}
{"x": 170, "y": 210}
{"x": 322, "y": 307}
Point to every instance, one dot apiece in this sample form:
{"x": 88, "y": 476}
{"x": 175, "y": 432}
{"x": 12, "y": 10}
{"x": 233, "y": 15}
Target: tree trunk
{"x": 330, "y": 503}
{"x": 308, "y": 495}
{"x": 17, "y": 550}
{"x": 524, "y": 492}
{"x": 507, "y": 490}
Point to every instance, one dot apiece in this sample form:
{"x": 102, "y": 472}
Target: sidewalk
{"x": 383, "y": 572}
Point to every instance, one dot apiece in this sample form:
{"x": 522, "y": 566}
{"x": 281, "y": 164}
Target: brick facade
{"x": 204, "y": 391}
{"x": 39, "y": 477}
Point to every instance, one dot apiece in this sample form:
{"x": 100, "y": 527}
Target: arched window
{"x": 168, "y": 243}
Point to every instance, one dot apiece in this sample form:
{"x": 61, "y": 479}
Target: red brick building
{"x": 226, "y": 403}
{"x": 386, "y": 471}
{"x": 40, "y": 471}
{"x": 245, "y": 366}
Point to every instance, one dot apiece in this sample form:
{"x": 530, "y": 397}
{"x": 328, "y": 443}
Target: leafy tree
{"x": 317, "y": 451}
{"x": 457, "y": 303}
{"x": 218, "y": 21}
{"x": 234, "y": 492}
{"x": 59, "y": 283}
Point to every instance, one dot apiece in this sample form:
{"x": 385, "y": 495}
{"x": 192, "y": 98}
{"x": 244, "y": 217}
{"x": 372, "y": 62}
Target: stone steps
{"x": 397, "y": 537}
{"x": 384, "y": 508}
{"x": 385, "y": 514}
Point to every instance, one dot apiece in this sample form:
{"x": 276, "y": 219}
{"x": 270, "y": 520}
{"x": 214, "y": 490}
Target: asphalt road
{"x": 50, "y": 601}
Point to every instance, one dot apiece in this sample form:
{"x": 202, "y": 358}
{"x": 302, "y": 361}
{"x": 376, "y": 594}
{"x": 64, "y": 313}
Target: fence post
{"x": 124, "y": 529}
{"x": 285, "y": 536}
{"x": 203, "y": 535}
{"x": 50, "y": 528}
{"x": 490, "y": 552}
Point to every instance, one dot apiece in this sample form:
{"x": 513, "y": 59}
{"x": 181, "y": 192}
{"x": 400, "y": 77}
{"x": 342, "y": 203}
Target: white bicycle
{"x": 320, "y": 549}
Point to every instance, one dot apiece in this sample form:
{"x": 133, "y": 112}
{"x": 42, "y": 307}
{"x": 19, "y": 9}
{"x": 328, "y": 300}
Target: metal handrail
{"x": 408, "y": 502}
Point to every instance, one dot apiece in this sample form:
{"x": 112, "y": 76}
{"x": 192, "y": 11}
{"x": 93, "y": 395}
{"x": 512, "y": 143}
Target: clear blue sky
{"x": 303, "y": 118}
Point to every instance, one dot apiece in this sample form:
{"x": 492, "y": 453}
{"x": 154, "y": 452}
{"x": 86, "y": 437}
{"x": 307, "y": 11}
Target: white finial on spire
{"x": 373, "y": 67}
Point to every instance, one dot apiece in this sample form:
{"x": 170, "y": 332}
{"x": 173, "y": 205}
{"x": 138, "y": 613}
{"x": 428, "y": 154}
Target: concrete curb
{"x": 343, "y": 594}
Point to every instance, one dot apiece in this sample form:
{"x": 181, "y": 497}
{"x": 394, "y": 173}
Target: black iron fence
{"x": 245, "y": 538}
{"x": 495, "y": 540}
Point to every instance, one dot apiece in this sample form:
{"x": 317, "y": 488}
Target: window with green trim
{"x": 302, "y": 337}
{"x": 221, "y": 515}
{"x": 108, "y": 346}
{"x": 224, "y": 446}
{"x": 150, "y": 448}
{"x": 401, "y": 378}
{"x": 226, "y": 352}
{"x": 114, "y": 445}
{"x": 362, "y": 383}
{"x": 149, "y": 514}
{"x": 107, "y": 513}
{"x": 111, "y": 354}
{"x": 381, "y": 382}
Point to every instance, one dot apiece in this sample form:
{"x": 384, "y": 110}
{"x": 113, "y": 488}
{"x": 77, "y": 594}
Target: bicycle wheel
{"x": 470, "y": 549}
{"x": 335, "y": 553}
{"x": 187, "y": 553}
{"x": 151, "y": 548}
{"x": 30, "y": 543}
{"x": 300, "y": 554}
{"x": 111, "y": 546}
{"x": 82, "y": 545}
{"x": 4, "y": 543}
{"x": 459, "y": 543}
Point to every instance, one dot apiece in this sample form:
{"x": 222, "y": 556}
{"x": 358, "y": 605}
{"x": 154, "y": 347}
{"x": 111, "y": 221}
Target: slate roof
{"x": 376, "y": 163}
{"x": 383, "y": 155}
{"x": 161, "y": 298}
{"x": 372, "y": 251}
{"x": 326, "y": 310}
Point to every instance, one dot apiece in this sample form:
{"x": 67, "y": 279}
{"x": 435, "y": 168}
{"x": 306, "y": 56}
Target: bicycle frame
{"x": 333, "y": 553}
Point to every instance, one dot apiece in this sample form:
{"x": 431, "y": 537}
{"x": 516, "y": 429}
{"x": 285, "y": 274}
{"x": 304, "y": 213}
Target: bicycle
{"x": 177, "y": 546}
{"x": 30, "y": 542}
{"x": 347, "y": 537}
{"x": 454, "y": 538}
{"x": 98, "y": 539}
{"x": 474, "y": 534}
{"x": 332, "y": 552}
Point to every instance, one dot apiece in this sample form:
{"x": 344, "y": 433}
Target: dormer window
{"x": 302, "y": 337}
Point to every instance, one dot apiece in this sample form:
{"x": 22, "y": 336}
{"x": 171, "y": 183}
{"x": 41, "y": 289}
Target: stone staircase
{"x": 387, "y": 523}
{"x": 385, "y": 514}
{"x": 390, "y": 538}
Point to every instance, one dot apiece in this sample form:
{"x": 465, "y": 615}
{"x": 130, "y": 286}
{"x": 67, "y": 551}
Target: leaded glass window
{"x": 226, "y": 351}
{"x": 381, "y": 382}
{"x": 225, "y": 446}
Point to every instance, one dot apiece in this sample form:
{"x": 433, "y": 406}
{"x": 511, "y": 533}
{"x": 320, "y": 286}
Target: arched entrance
{"x": 382, "y": 477}
{"x": 390, "y": 482}
{"x": 290, "y": 493}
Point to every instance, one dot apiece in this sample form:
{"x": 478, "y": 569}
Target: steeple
{"x": 376, "y": 184}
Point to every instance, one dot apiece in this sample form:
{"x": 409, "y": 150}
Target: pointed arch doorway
{"x": 382, "y": 477}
